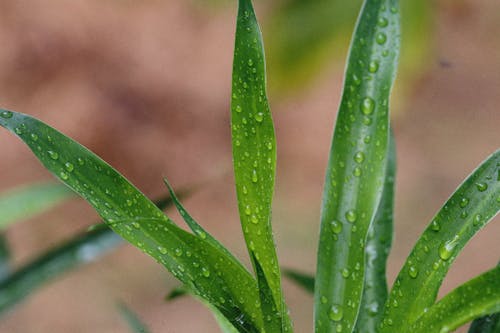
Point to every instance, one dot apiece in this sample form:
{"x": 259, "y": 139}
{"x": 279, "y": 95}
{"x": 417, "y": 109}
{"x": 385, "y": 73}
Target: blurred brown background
{"x": 145, "y": 85}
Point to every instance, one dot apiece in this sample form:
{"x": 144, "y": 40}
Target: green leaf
{"x": 486, "y": 324}
{"x": 195, "y": 262}
{"x": 29, "y": 200}
{"x": 356, "y": 169}
{"x": 477, "y": 297}
{"x": 133, "y": 321}
{"x": 254, "y": 153}
{"x": 468, "y": 210}
{"x": 304, "y": 280}
{"x": 377, "y": 250}
{"x": 83, "y": 248}
{"x": 4, "y": 257}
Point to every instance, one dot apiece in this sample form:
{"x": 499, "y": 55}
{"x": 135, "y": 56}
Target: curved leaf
{"x": 377, "y": 250}
{"x": 356, "y": 168}
{"x": 254, "y": 154}
{"x": 81, "y": 249}
{"x": 468, "y": 210}
{"x": 29, "y": 200}
{"x": 204, "y": 268}
{"x": 477, "y": 297}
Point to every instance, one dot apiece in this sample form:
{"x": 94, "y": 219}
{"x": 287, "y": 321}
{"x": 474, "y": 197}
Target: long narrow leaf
{"x": 356, "y": 167}
{"x": 5, "y": 266}
{"x": 196, "y": 263}
{"x": 254, "y": 153}
{"x": 29, "y": 200}
{"x": 486, "y": 324}
{"x": 304, "y": 280}
{"x": 377, "y": 250}
{"x": 478, "y": 297}
{"x": 133, "y": 321}
{"x": 468, "y": 210}
{"x": 81, "y": 249}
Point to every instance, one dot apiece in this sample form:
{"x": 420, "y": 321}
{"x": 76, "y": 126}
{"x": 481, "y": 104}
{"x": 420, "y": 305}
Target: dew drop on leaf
{"x": 368, "y": 106}
{"x": 351, "y": 216}
{"x": 6, "y": 114}
{"x": 481, "y": 187}
{"x": 336, "y": 226}
{"x": 336, "y": 312}
{"x": 53, "y": 155}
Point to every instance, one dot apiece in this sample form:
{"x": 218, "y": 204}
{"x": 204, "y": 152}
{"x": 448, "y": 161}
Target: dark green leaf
{"x": 377, "y": 250}
{"x": 81, "y": 249}
{"x": 304, "y": 280}
{"x": 486, "y": 324}
{"x": 469, "y": 209}
{"x": 478, "y": 297}
{"x": 29, "y": 200}
{"x": 198, "y": 264}
{"x": 4, "y": 257}
{"x": 133, "y": 321}
{"x": 254, "y": 152}
{"x": 356, "y": 169}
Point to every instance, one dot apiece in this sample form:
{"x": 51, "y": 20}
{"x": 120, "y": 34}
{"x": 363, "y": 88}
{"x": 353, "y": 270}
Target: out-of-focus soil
{"x": 146, "y": 86}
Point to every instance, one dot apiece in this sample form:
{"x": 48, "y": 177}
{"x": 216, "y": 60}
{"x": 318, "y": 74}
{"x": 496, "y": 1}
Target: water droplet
{"x": 383, "y": 22}
{"x": 259, "y": 117}
{"x": 254, "y": 219}
{"x": 69, "y": 167}
{"x": 477, "y": 220}
{"x": 6, "y": 114}
{"x": 446, "y": 249}
{"x": 357, "y": 172}
{"x": 336, "y": 313}
{"x": 53, "y": 155}
{"x": 481, "y": 187}
{"x": 80, "y": 161}
{"x": 368, "y": 106}
{"x": 248, "y": 210}
{"x": 381, "y": 38}
{"x": 162, "y": 250}
{"x": 250, "y": 62}
{"x": 63, "y": 175}
{"x": 255, "y": 178}
{"x": 34, "y": 137}
{"x": 238, "y": 108}
{"x": 178, "y": 252}
{"x": 18, "y": 130}
{"x": 359, "y": 157}
{"x": 345, "y": 272}
{"x": 367, "y": 139}
{"x": 373, "y": 67}
{"x": 435, "y": 225}
{"x": 464, "y": 202}
{"x": 413, "y": 272}
{"x": 351, "y": 216}
{"x": 324, "y": 300}
{"x": 336, "y": 226}
{"x": 205, "y": 272}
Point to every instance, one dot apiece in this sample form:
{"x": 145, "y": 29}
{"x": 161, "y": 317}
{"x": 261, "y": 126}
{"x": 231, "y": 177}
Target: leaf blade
{"x": 468, "y": 210}
{"x": 28, "y": 200}
{"x": 356, "y": 166}
{"x": 475, "y": 298}
{"x": 254, "y": 153}
{"x": 129, "y": 213}
{"x": 377, "y": 250}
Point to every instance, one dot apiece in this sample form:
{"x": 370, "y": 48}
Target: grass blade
{"x": 196, "y": 263}
{"x": 304, "y": 280}
{"x": 254, "y": 153}
{"x": 133, "y": 321}
{"x": 486, "y": 324}
{"x": 356, "y": 169}
{"x": 377, "y": 250}
{"x": 477, "y": 297}
{"x": 29, "y": 200}
{"x": 79, "y": 250}
{"x": 469, "y": 209}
